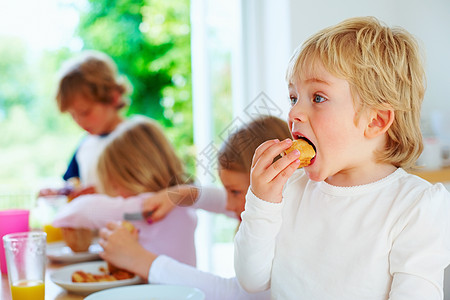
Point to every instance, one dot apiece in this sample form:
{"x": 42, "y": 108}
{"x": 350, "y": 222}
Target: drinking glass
{"x": 26, "y": 258}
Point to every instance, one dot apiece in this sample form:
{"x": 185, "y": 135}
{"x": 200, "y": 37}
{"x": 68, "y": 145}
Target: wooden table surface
{"x": 52, "y": 291}
{"x": 433, "y": 176}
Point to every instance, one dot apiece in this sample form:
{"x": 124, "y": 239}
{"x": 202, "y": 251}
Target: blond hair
{"x": 237, "y": 151}
{"x": 384, "y": 69}
{"x": 139, "y": 159}
{"x": 93, "y": 75}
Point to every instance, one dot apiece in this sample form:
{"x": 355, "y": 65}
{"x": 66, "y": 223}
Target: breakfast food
{"x": 307, "y": 151}
{"x": 81, "y": 276}
{"x": 78, "y": 239}
{"x": 129, "y": 226}
{"x": 110, "y": 273}
{"x": 112, "y": 268}
{"x": 105, "y": 275}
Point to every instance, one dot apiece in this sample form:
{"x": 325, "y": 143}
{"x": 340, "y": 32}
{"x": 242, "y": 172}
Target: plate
{"x": 60, "y": 252}
{"x": 149, "y": 292}
{"x": 63, "y": 278}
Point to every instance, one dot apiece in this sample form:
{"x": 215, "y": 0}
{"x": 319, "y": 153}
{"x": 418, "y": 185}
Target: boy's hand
{"x": 267, "y": 179}
{"x": 48, "y": 192}
{"x": 81, "y": 191}
{"x": 69, "y": 191}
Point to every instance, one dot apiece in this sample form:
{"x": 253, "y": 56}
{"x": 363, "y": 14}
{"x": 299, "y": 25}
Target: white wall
{"x": 282, "y": 25}
{"x": 429, "y": 21}
{"x": 263, "y": 51}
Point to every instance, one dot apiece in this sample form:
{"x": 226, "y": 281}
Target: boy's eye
{"x": 318, "y": 99}
{"x": 293, "y": 100}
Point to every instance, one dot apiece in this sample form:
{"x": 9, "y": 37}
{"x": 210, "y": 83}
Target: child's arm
{"x": 213, "y": 199}
{"x": 261, "y": 220}
{"x": 421, "y": 249}
{"x": 166, "y": 270}
{"x": 210, "y": 198}
{"x": 123, "y": 250}
{"x": 161, "y": 203}
{"x": 77, "y": 192}
{"x": 95, "y": 211}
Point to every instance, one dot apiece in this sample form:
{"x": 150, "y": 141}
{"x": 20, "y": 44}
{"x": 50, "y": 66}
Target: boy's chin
{"x": 93, "y": 132}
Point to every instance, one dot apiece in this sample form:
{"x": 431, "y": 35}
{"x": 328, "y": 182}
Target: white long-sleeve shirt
{"x": 386, "y": 240}
{"x": 166, "y": 270}
{"x": 172, "y": 236}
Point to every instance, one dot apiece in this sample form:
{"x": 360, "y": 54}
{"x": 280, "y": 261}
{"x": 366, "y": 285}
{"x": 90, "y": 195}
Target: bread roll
{"x": 78, "y": 239}
{"x": 129, "y": 226}
{"x": 307, "y": 152}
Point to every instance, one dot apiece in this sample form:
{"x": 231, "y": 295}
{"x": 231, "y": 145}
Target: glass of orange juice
{"x": 25, "y": 259}
{"x": 54, "y": 234}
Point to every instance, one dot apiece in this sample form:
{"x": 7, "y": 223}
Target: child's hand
{"x": 49, "y": 192}
{"x": 157, "y": 207}
{"x": 80, "y": 191}
{"x": 160, "y": 204}
{"x": 116, "y": 239}
{"x": 122, "y": 249}
{"x": 68, "y": 191}
{"x": 266, "y": 178}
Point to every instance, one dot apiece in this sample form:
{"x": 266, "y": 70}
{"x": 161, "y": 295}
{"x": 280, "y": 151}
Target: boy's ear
{"x": 379, "y": 122}
{"x": 116, "y": 98}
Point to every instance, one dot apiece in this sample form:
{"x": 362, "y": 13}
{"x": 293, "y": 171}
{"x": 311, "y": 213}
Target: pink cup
{"x": 11, "y": 221}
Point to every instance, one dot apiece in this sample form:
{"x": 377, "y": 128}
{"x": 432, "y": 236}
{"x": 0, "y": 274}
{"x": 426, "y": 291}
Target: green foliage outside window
{"x": 150, "y": 42}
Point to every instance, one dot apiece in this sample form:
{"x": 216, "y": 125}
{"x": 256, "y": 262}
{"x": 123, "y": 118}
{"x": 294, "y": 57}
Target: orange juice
{"x": 27, "y": 290}
{"x": 54, "y": 234}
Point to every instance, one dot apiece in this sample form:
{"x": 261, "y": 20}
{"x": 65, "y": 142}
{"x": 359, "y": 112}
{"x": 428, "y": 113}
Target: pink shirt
{"x": 172, "y": 236}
